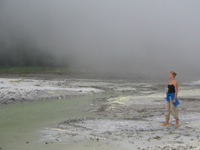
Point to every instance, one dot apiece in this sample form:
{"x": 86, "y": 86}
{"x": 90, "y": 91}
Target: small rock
{"x": 157, "y": 137}
{"x": 27, "y": 142}
{"x": 13, "y": 99}
{"x": 46, "y": 142}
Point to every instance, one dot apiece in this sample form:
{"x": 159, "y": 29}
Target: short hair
{"x": 173, "y": 73}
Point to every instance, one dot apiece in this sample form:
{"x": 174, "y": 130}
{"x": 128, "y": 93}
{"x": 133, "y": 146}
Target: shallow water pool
{"x": 21, "y": 123}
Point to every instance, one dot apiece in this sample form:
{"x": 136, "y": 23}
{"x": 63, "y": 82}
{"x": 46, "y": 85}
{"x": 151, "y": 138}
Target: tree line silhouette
{"x": 25, "y": 53}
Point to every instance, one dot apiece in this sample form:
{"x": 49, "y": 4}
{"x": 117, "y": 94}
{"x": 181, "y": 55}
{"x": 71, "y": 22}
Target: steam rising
{"x": 136, "y": 38}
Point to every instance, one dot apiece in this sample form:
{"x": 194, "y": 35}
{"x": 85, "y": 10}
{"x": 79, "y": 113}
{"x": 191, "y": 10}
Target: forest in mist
{"x": 24, "y": 53}
{"x": 136, "y": 38}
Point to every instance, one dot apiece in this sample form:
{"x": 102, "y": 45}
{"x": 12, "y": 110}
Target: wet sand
{"x": 129, "y": 117}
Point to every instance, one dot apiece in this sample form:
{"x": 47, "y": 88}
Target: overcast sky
{"x": 134, "y": 37}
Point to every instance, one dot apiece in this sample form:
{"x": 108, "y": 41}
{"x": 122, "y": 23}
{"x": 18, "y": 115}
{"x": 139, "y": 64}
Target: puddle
{"x": 21, "y": 123}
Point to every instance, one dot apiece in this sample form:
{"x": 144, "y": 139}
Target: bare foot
{"x": 177, "y": 125}
{"x": 165, "y": 124}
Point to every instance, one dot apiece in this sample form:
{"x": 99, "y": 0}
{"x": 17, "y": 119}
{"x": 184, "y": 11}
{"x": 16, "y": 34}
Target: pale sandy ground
{"x": 22, "y": 89}
{"x": 130, "y": 120}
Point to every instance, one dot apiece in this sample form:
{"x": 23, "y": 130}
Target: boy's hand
{"x": 174, "y": 101}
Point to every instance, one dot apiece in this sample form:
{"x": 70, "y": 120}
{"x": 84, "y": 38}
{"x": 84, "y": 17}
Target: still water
{"x": 20, "y": 123}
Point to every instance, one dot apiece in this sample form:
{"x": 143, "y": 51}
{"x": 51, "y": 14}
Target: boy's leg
{"x": 175, "y": 114}
{"x": 167, "y": 114}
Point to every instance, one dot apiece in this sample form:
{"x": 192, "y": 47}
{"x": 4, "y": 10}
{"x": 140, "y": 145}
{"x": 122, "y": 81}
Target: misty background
{"x": 137, "y": 38}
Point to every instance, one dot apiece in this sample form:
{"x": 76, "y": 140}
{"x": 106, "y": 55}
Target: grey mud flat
{"x": 94, "y": 114}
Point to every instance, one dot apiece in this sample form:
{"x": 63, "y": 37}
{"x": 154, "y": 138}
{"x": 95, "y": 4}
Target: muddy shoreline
{"x": 14, "y": 88}
{"x": 131, "y": 125}
{"x": 129, "y": 118}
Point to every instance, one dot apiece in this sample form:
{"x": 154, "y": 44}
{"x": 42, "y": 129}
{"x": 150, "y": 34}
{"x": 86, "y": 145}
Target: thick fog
{"x": 138, "y": 38}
